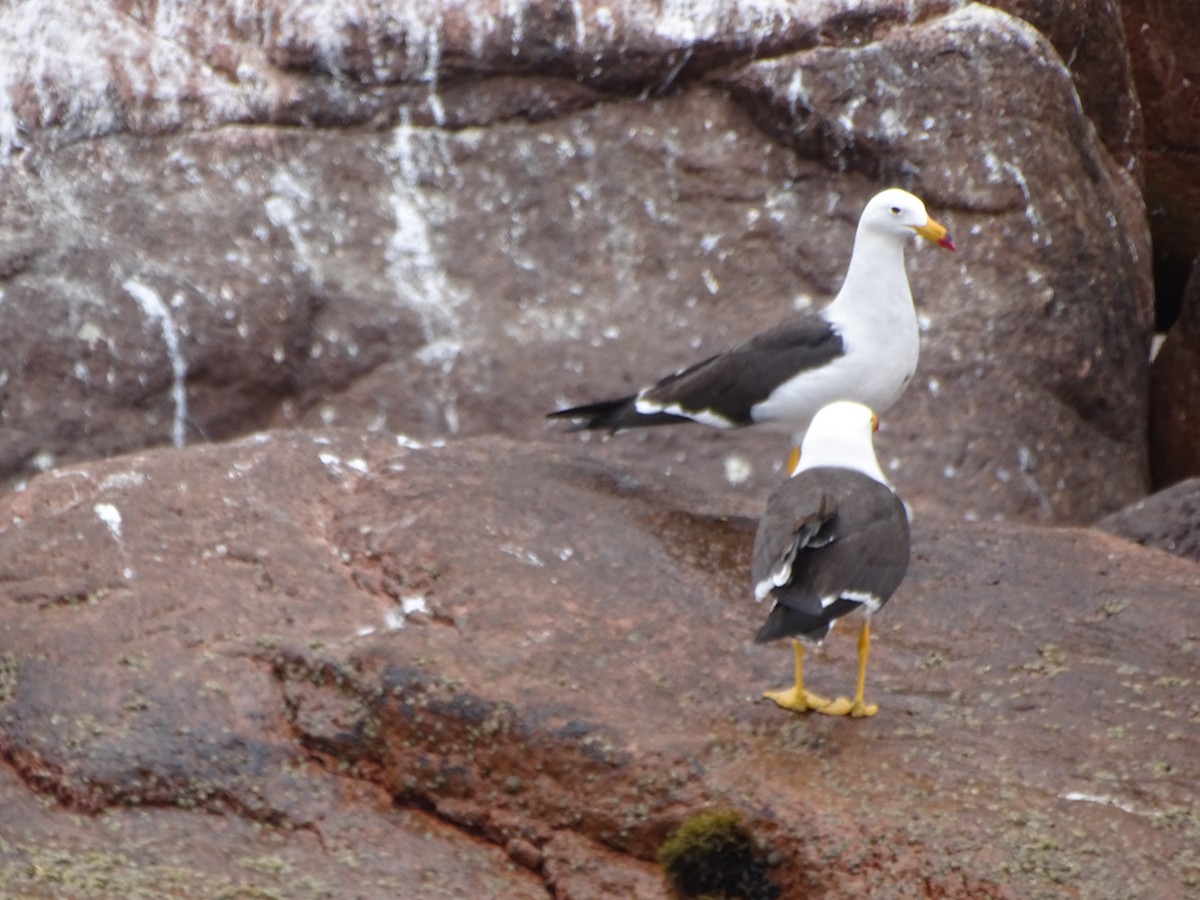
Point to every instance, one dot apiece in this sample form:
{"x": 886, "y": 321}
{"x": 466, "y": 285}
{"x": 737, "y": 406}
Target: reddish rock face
{"x": 1162, "y": 41}
{"x": 524, "y": 668}
{"x": 1175, "y": 395}
{"x": 1163, "y": 36}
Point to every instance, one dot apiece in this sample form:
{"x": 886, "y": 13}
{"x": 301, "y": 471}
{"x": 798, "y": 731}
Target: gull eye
{"x": 895, "y": 210}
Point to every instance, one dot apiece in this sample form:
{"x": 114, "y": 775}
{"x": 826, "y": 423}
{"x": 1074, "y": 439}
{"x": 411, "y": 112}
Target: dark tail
{"x": 613, "y": 415}
{"x": 810, "y": 624}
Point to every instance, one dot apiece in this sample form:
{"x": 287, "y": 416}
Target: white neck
{"x": 842, "y": 450}
{"x": 876, "y": 272}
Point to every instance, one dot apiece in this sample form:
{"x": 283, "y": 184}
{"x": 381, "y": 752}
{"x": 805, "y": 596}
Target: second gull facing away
{"x": 833, "y": 544}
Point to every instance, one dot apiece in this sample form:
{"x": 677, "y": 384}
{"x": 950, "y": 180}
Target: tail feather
{"x": 613, "y": 415}
{"x": 810, "y": 624}
{"x": 784, "y": 622}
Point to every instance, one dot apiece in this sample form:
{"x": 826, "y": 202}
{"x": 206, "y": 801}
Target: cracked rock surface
{"x": 538, "y": 664}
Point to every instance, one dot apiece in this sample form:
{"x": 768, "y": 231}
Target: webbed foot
{"x": 798, "y": 699}
{"x": 856, "y": 709}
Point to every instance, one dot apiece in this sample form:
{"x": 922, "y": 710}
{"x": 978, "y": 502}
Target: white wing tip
{"x": 776, "y": 578}
{"x": 870, "y": 601}
{"x": 647, "y": 407}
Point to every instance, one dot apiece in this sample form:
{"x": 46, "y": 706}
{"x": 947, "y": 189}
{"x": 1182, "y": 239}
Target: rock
{"x": 1089, "y": 35}
{"x": 253, "y": 648}
{"x": 1162, "y": 40}
{"x": 143, "y": 850}
{"x": 1175, "y": 394}
{"x": 1168, "y": 520}
{"x": 473, "y": 215}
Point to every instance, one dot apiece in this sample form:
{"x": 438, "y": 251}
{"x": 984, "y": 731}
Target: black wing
{"x": 864, "y": 550}
{"x": 727, "y": 385}
{"x": 730, "y": 384}
{"x": 794, "y": 520}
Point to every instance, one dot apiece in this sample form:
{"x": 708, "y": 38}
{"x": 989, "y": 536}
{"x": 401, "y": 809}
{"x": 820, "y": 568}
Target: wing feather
{"x": 858, "y": 558}
{"x": 731, "y": 384}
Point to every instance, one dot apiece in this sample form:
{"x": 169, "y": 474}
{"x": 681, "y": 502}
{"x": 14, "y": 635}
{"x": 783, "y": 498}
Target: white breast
{"x": 880, "y": 359}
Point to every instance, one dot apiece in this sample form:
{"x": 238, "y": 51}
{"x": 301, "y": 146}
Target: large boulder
{"x": 484, "y": 210}
{"x": 1089, "y": 36}
{"x": 320, "y": 664}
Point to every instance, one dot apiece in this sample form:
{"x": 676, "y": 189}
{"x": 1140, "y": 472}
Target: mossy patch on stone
{"x": 714, "y": 855}
{"x": 8, "y": 677}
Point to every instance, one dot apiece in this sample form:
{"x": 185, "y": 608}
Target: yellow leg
{"x": 793, "y": 460}
{"x": 858, "y": 707}
{"x": 796, "y": 698}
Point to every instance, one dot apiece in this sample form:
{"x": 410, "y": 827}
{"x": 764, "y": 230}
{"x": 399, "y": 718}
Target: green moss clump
{"x": 713, "y": 855}
{"x": 8, "y": 677}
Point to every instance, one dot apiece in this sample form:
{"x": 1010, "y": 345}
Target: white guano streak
{"x": 111, "y": 517}
{"x": 412, "y": 259}
{"x": 156, "y": 311}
